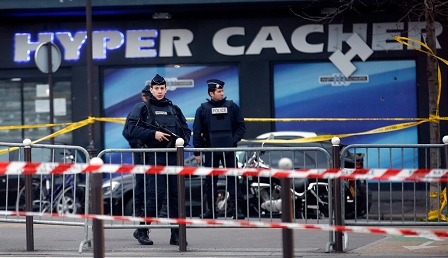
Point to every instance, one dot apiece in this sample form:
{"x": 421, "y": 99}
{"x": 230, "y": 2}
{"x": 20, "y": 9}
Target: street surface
{"x": 64, "y": 241}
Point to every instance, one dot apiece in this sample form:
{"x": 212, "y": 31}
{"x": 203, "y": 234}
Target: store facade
{"x": 274, "y": 67}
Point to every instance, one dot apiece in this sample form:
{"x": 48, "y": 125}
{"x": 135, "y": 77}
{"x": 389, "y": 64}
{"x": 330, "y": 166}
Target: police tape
{"x": 246, "y": 223}
{"x": 69, "y": 127}
{"x": 43, "y": 168}
{"x": 327, "y": 137}
{"x": 428, "y": 51}
{"x": 395, "y": 127}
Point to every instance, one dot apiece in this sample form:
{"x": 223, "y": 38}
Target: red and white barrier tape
{"x": 243, "y": 223}
{"x": 424, "y": 175}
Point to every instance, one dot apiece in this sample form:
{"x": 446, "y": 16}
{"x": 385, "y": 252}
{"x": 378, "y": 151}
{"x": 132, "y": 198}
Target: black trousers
{"x": 227, "y": 160}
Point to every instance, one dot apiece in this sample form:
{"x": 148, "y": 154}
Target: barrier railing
{"x": 62, "y": 194}
{"x": 396, "y": 202}
{"x": 195, "y": 202}
{"x": 254, "y": 164}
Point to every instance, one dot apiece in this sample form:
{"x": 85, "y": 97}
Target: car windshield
{"x": 301, "y": 159}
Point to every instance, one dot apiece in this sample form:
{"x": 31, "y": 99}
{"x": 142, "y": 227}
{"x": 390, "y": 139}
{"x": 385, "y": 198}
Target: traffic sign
{"x": 42, "y": 57}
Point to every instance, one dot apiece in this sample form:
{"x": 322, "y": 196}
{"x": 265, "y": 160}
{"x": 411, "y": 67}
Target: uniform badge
{"x": 161, "y": 113}
{"x": 220, "y": 110}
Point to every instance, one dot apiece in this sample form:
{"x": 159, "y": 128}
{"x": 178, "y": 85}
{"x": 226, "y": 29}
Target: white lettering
{"x": 262, "y": 41}
{"x": 24, "y": 46}
{"x": 383, "y": 36}
{"x": 415, "y": 31}
{"x": 336, "y": 36}
{"x": 71, "y": 45}
{"x": 227, "y": 41}
{"x": 104, "y": 40}
{"x": 298, "y": 38}
{"x": 221, "y": 110}
{"x": 140, "y": 43}
{"x": 221, "y": 44}
{"x": 177, "y": 39}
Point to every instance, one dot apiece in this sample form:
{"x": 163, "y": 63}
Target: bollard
{"x": 287, "y": 233}
{"x": 96, "y": 193}
{"x": 337, "y": 195}
{"x": 181, "y": 196}
{"x": 28, "y": 198}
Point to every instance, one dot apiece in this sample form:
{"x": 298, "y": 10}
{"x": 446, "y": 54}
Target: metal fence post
{"x": 181, "y": 196}
{"x": 287, "y": 233}
{"x": 337, "y": 195}
{"x": 28, "y": 198}
{"x": 96, "y": 193}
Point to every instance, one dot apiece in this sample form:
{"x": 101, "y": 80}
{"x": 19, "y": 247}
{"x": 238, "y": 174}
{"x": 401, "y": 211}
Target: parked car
{"x": 302, "y": 159}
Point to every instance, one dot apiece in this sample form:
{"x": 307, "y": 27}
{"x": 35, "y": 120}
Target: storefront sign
{"x": 153, "y": 43}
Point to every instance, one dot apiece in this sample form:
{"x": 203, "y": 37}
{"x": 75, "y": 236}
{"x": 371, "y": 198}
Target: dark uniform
{"x": 218, "y": 124}
{"x": 139, "y": 158}
{"x": 142, "y": 124}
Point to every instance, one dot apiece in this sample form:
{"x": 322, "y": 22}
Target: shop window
{"x": 27, "y": 103}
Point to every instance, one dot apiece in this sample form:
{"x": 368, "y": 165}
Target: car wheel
{"x": 71, "y": 202}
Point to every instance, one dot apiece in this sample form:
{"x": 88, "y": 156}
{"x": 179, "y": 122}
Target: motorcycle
{"x": 310, "y": 196}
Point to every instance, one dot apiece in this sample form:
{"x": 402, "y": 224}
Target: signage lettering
{"x": 151, "y": 43}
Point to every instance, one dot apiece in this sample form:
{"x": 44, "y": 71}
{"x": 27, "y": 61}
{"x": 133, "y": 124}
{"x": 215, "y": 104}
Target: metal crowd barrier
{"x": 259, "y": 197}
{"x": 62, "y": 194}
{"x": 397, "y": 203}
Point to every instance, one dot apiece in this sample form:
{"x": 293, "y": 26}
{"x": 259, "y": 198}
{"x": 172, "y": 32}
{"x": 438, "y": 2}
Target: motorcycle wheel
{"x": 222, "y": 206}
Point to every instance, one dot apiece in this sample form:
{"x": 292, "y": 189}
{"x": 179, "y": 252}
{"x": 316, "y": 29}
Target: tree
{"x": 427, "y": 10}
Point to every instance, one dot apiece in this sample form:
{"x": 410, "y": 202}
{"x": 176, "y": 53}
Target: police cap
{"x": 158, "y": 80}
{"x": 146, "y": 88}
{"x": 215, "y": 84}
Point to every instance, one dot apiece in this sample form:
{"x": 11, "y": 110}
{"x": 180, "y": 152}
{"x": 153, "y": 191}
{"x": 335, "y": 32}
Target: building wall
{"x": 263, "y": 42}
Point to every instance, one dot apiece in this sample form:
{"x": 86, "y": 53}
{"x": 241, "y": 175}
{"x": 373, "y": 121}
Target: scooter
{"x": 310, "y": 196}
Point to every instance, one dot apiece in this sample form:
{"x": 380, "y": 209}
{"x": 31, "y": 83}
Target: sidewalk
{"x": 64, "y": 241}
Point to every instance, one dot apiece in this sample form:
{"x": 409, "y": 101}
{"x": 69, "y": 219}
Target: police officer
{"x": 139, "y": 185}
{"x": 139, "y": 178}
{"x": 145, "y": 123}
{"x": 218, "y": 123}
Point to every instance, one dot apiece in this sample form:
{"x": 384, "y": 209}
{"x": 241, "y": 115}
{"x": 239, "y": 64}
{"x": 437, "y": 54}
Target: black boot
{"x": 174, "y": 240}
{"x": 238, "y": 214}
{"x": 142, "y": 237}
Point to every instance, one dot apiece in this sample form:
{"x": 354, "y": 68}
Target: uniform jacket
{"x": 201, "y": 126}
{"x": 162, "y": 112}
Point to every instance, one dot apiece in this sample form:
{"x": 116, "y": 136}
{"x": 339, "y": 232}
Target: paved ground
{"x": 64, "y": 241}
